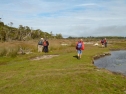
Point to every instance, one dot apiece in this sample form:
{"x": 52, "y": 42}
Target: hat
{"x": 81, "y": 39}
{"x": 42, "y": 38}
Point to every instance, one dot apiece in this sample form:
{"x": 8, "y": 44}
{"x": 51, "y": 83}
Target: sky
{"x": 76, "y": 18}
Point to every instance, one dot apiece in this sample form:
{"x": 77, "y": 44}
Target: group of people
{"x": 104, "y": 42}
{"x": 43, "y": 45}
{"x": 80, "y": 46}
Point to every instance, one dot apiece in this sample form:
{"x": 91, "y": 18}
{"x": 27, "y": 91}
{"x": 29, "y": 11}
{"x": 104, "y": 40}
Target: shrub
{"x": 3, "y": 51}
{"x": 12, "y": 52}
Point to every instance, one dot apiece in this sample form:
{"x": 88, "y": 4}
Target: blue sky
{"x": 78, "y": 18}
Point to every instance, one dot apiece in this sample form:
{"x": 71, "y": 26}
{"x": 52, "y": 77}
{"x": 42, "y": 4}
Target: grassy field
{"x": 63, "y": 74}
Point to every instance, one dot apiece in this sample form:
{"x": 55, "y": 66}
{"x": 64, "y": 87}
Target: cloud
{"x": 111, "y": 31}
{"x": 68, "y": 17}
{"x": 89, "y": 4}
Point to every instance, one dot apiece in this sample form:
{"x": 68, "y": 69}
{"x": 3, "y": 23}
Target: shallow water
{"x": 116, "y": 62}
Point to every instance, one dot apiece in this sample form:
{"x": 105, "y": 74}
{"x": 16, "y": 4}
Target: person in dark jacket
{"x": 45, "y": 48}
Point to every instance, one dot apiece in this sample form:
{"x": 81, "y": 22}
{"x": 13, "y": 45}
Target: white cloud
{"x": 111, "y": 31}
{"x": 70, "y": 18}
{"x": 89, "y": 4}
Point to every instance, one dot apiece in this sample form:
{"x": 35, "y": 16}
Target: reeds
{"x": 14, "y": 48}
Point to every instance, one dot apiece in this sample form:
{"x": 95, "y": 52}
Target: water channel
{"x": 116, "y": 62}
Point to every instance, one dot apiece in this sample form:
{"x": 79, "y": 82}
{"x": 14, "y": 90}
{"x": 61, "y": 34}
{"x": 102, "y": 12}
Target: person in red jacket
{"x": 45, "y": 44}
{"x": 102, "y": 42}
{"x": 79, "y": 48}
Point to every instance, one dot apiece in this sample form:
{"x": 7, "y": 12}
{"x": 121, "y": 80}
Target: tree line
{"x": 7, "y": 33}
{"x": 98, "y": 37}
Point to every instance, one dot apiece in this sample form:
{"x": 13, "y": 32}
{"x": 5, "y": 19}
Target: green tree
{"x": 1, "y": 30}
{"x": 21, "y": 32}
{"x": 59, "y": 36}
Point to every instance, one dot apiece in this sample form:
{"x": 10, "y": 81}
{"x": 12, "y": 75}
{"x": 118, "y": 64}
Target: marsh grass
{"x": 12, "y": 52}
{"x": 3, "y": 51}
{"x": 12, "y": 48}
{"x": 64, "y": 74}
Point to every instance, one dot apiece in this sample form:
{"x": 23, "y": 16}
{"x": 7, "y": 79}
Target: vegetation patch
{"x": 57, "y": 72}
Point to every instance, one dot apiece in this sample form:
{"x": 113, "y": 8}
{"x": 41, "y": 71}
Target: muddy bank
{"x": 44, "y": 57}
{"x": 99, "y": 56}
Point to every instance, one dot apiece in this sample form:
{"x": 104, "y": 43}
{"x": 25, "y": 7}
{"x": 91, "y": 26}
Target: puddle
{"x": 116, "y": 62}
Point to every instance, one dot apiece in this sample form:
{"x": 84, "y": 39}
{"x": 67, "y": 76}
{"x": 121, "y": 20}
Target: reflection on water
{"x": 116, "y": 62}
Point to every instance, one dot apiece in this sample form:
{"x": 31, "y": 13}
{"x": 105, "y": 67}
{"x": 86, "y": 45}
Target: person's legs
{"x": 39, "y": 48}
{"x": 45, "y": 49}
{"x": 79, "y": 53}
{"x": 102, "y": 45}
{"x": 42, "y": 48}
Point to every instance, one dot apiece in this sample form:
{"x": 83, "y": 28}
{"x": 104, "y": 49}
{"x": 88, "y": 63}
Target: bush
{"x": 12, "y": 52}
{"x": 3, "y": 52}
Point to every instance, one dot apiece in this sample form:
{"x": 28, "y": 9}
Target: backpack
{"x": 79, "y": 45}
{"x": 40, "y": 42}
{"x": 102, "y": 41}
{"x": 45, "y": 43}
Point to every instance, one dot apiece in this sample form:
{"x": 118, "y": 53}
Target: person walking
{"x": 102, "y": 43}
{"x": 79, "y": 48}
{"x": 105, "y": 42}
{"x": 45, "y": 44}
{"x": 40, "y": 45}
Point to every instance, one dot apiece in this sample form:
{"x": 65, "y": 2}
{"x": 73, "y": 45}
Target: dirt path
{"x": 44, "y": 57}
